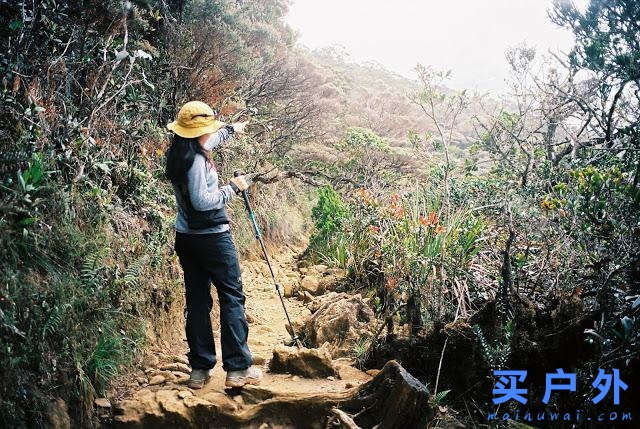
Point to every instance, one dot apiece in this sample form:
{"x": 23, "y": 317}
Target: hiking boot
{"x": 251, "y": 375}
{"x": 199, "y": 378}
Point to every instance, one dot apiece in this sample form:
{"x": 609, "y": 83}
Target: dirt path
{"x": 157, "y": 396}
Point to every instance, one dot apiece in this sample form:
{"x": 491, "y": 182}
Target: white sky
{"x": 468, "y": 37}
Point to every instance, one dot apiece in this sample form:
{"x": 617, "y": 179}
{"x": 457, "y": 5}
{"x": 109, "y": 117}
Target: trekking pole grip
{"x": 245, "y": 196}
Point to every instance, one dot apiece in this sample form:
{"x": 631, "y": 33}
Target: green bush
{"x": 329, "y": 215}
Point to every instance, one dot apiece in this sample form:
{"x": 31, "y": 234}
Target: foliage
{"x": 605, "y": 42}
{"x": 329, "y": 214}
{"x": 497, "y": 355}
{"x": 405, "y": 252}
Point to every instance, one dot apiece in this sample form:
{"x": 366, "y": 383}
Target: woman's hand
{"x": 240, "y": 183}
{"x": 238, "y": 127}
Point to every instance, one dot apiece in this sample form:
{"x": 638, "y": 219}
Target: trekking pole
{"x": 256, "y": 229}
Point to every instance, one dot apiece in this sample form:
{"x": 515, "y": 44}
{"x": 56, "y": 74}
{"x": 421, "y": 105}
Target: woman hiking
{"x": 205, "y": 247}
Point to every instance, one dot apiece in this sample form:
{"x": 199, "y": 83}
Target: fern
{"x": 55, "y": 319}
{"x": 438, "y": 398}
{"x": 90, "y": 270}
{"x": 131, "y": 276}
{"x": 497, "y": 355}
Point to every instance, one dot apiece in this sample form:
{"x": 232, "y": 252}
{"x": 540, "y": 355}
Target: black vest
{"x": 197, "y": 219}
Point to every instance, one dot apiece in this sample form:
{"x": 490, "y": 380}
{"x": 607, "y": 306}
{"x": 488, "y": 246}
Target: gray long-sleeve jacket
{"x": 203, "y": 188}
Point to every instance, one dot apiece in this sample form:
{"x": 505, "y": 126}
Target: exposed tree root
{"x": 393, "y": 399}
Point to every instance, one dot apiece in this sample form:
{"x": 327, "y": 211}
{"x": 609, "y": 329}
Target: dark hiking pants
{"x": 207, "y": 258}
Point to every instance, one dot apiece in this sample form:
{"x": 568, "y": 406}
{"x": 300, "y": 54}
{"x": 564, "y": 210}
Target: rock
{"x": 321, "y": 269}
{"x": 373, "y": 372}
{"x": 258, "y": 360}
{"x": 58, "y": 415}
{"x": 249, "y": 317}
{"x": 336, "y": 272}
{"x": 172, "y": 404}
{"x": 339, "y": 319}
{"x": 221, "y": 401}
{"x": 157, "y": 379}
{"x": 308, "y": 363}
{"x": 149, "y": 370}
{"x": 135, "y": 409}
{"x": 303, "y": 270}
{"x": 288, "y": 290}
{"x": 168, "y": 376}
{"x": 181, "y": 359}
{"x": 181, "y": 377}
{"x": 141, "y": 380}
{"x": 150, "y": 361}
{"x": 184, "y": 393}
{"x": 332, "y": 282}
{"x": 331, "y": 378}
{"x": 312, "y": 285}
{"x": 102, "y": 403}
{"x": 165, "y": 358}
{"x": 295, "y": 378}
{"x": 238, "y": 399}
{"x": 348, "y": 385}
{"x": 176, "y": 366}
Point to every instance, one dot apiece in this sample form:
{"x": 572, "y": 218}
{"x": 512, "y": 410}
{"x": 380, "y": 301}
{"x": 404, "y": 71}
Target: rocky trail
{"x": 307, "y": 389}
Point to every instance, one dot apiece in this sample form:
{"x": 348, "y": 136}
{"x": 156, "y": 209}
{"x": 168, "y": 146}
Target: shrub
{"x": 329, "y": 214}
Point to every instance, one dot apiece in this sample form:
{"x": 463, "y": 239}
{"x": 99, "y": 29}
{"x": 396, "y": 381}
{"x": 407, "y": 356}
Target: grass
{"x": 112, "y": 350}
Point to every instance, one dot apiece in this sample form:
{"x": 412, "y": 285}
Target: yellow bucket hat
{"x": 194, "y": 119}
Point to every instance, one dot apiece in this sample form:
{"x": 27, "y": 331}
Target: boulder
{"x": 311, "y": 284}
{"x": 308, "y": 363}
{"x": 339, "y": 319}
